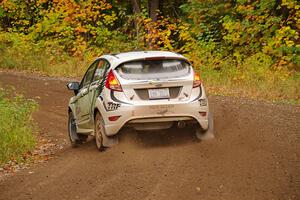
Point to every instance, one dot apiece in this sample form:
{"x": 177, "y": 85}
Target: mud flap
{"x": 209, "y": 133}
{"x": 110, "y": 141}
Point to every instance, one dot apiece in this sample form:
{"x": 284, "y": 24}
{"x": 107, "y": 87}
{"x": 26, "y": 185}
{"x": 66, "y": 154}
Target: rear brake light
{"x": 112, "y": 82}
{"x": 197, "y": 80}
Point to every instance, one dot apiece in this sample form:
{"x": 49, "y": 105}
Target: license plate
{"x": 161, "y": 93}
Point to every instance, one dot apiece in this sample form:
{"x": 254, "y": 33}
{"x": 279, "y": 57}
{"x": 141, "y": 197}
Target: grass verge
{"x": 16, "y": 126}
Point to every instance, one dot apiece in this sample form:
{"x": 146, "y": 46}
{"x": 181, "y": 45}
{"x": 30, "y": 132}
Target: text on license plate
{"x": 161, "y": 93}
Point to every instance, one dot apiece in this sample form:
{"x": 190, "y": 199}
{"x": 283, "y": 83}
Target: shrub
{"x": 16, "y": 126}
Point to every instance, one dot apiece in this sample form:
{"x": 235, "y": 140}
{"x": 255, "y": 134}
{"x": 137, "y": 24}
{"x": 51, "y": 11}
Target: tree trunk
{"x": 153, "y": 7}
{"x": 136, "y": 7}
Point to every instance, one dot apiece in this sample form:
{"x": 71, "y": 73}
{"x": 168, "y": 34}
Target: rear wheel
{"x": 99, "y": 131}
{"x": 206, "y": 134}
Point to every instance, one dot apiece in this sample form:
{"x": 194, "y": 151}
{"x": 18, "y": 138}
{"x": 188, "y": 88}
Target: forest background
{"x": 241, "y": 47}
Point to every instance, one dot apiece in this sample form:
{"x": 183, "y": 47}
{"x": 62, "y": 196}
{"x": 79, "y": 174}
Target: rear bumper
{"x": 156, "y": 113}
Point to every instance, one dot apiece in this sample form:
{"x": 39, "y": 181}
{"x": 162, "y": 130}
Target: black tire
{"x": 72, "y": 131}
{"x": 99, "y": 130}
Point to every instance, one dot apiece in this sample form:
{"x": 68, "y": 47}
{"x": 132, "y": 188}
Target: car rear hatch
{"x": 155, "y": 80}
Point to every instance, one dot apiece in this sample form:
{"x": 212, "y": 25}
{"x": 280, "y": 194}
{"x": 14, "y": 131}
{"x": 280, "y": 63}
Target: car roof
{"x": 117, "y": 59}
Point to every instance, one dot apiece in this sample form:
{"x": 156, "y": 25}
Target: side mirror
{"x": 73, "y": 86}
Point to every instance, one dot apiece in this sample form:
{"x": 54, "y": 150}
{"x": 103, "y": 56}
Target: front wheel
{"x": 73, "y": 136}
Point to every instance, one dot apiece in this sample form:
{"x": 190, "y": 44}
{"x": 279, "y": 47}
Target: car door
{"x": 83, "y": 99}
{"x": 97, "y": 83}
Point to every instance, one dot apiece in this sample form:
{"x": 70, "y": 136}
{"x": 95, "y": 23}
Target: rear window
{"x": 153, "y": 69}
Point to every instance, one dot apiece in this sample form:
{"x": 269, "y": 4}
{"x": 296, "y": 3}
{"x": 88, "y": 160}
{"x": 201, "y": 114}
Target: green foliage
{"x": 251, "y": 46}
{"x": 244, "y": 45}
{"x": 18, "y": 51}
{"x": 243, "y": 28}
{"x": 16, "y": 126}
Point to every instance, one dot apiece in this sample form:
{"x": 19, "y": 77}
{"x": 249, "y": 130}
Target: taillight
{"x": 197, "y": 80}
{"x": 112, "y": 82}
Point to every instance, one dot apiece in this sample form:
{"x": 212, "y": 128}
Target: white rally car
{"x": 147, "y": 90}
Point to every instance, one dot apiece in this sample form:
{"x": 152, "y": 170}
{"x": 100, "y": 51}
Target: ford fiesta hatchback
{"x": 147, "y": 90}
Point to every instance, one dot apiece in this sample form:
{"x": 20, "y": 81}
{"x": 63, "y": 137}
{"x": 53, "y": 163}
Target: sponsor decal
{"x": 110, "y": 106}
{"x": 203, "y": 102}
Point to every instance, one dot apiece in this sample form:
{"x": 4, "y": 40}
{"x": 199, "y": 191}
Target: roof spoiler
{"x": 166, "y": 58}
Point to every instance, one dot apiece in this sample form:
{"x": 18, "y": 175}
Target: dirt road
{"x": 255, "y": 155}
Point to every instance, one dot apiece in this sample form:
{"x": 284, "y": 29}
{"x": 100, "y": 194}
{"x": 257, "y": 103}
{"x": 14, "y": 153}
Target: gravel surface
{"x": 255, "y": 155}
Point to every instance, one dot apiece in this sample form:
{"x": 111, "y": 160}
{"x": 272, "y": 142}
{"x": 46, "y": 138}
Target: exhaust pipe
{"x": 181, "y": 124}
